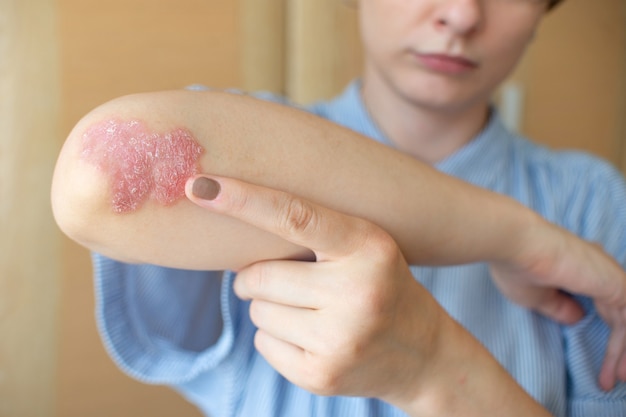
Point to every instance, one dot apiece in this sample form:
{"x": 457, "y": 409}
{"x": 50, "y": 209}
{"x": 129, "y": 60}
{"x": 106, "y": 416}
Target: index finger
{"x": 326, "y": 232}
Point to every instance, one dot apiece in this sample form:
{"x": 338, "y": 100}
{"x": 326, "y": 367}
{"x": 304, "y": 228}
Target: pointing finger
{"x": 328, "y": 233}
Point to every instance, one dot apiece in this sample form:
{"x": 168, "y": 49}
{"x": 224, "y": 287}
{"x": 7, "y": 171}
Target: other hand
{"x": 553, "y": 261}
{"x": 353, "y": 322}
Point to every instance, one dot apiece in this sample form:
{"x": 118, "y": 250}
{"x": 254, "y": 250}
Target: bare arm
{"x": 435, "y": 219}
{"x": 285, "y": 149}
{"x": 333, "y": 344}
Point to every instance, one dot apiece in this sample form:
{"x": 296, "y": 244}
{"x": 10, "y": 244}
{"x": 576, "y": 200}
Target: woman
{"x": 359, "y": 323}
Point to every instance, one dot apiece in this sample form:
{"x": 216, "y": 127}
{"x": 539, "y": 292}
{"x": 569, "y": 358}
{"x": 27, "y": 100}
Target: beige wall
{"x": 111, "y": 48}
{"x": 29, "y": 241}
{"x": 123, "y": 46}
{"x": 576, "y": 77}
{"x": 323, "y": 50}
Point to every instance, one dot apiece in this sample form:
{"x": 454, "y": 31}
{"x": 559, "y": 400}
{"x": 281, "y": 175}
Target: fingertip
{"x": 621, "y": 371}
{"x": 575, "y": 313}
{"x": 189, "y": 187}
{"x": 203, "y": 188}
{"x": 238, "y": 288}
{"x": 563, "y": 309}
{"x": 607, "y": 379}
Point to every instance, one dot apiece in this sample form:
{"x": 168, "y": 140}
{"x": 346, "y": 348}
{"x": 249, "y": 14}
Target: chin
{"x": 440, "y": 94}
{"x": 442, "y": 102}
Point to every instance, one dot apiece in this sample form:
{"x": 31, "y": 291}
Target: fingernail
{"x": 205, "y": 188}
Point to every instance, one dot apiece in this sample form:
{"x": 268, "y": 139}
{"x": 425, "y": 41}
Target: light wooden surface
{"x": 29, "y": 241}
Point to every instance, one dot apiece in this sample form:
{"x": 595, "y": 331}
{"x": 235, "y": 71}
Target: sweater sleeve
{"x": 162, "y": 325}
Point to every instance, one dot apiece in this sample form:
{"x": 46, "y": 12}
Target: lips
{"x": 446, "y": 64}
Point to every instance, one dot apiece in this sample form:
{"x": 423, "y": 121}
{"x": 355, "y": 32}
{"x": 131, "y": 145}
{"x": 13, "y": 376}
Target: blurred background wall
{"x": 30, "y": 246}
{"x": 59, "y": 59}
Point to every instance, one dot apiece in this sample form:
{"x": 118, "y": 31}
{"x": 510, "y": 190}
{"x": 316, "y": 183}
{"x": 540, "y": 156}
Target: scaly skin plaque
{"x": 141, "y": 164}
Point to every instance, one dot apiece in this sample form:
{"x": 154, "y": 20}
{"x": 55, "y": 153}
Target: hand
{"x": 355, "y": 321}
{"x": 553, "y": 260}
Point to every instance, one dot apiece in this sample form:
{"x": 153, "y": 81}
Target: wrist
{"x": 521, "y": 239}
{"x": 463, "y": 378}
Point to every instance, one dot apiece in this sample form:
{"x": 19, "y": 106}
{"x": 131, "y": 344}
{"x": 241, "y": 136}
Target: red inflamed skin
{"x": 141, "y": 164}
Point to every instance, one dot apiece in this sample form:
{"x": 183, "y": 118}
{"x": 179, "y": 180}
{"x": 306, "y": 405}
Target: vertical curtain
{"x": 29, "y": 241}
{"x": 323, "y": 50}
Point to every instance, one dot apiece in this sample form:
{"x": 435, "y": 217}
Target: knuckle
{"x": 299, "y": 217}
{"x": 352, "y": 347}
{"x": 384, "y": 254}
{"x": 324, "y": 379}
{"x": 238, "y": 200}
{"x": 331, "y": 343}
{"x": 380, "y": 246}
{"x": 256, "y": 313}
{"x": 375, "y": 304}
{"x": 375, "y": 308}
{"x": 375, "y": 300}
{"x": 257, "y": 277}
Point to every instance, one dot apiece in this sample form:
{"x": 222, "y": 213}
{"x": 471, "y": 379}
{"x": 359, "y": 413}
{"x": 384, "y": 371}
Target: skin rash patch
{"x": 141, "y": 164}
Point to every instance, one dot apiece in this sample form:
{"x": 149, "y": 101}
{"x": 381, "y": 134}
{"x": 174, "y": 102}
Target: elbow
{"x": 80, "y": 193}
{"x": 76, "y": 195}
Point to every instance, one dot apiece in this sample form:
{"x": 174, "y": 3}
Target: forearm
{"x": 464, "y": 379}
{"x": 286, "y": 149}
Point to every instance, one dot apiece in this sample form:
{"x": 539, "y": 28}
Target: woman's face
{"x": 445, "y": 54}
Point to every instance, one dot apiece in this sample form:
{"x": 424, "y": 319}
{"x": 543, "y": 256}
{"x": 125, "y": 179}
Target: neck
{"x": 428, "y": 133}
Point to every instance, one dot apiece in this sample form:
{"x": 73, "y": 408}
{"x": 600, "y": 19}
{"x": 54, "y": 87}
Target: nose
{"x": 462, "y": 17}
